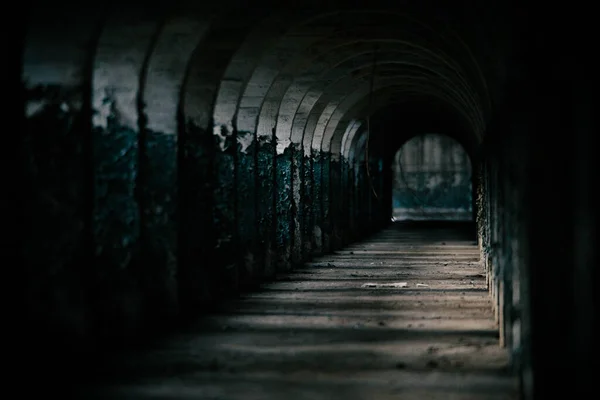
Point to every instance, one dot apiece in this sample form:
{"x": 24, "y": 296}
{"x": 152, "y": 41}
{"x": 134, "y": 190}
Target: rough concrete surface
{"x": 321, "y": 333}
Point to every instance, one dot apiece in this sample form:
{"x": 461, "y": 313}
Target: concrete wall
{"x": 432, "y": 180}
{"x": 156, "y": 172}
{"x": 169, "y": 158}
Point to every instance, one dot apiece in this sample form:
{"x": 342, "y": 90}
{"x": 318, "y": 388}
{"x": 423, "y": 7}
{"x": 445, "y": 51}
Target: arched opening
{"x": 432, "y": 180}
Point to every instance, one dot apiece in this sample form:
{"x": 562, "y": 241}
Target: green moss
{"x": 246, "y": 209}
{"x": 116, "y": 217}
{"x": 265, "y": 167}
{"x": 283, "y": 205}
{"x": 159, "y": 194}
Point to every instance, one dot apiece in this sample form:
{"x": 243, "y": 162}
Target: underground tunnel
{"x": 311, "y": 200}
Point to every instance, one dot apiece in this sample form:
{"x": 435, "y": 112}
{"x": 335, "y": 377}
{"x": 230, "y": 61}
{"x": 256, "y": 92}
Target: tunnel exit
{"x": 432, "y": 180}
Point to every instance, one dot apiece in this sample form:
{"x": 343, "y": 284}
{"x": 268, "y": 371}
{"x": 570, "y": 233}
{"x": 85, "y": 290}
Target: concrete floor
{"x": 403, "y": 315}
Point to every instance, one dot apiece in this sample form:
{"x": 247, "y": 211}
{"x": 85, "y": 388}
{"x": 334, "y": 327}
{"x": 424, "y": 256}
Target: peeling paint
{"x": 223, "y": 134}
{"x": 282, "y": 146}
{"x": 317, "y": 203}
{"x": 245, "y": 140}
{"x": 265, "y": 168}
{"x": 171, "y": 54}
{"x": 43, "y": 97}
{"x": 283, "y": 207}
{"x": 297, "y": 198}
{"x": 108, "y": 107}
{"x": 224, "y": 211}
{"x": 306, "y": 204}
{"x": 246, "y": 218}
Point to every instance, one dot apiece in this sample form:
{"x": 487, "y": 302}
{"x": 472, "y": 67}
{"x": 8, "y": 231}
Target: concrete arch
{"x": 262, "y": 78}
{"x": 347, "y": 138}
{"x": 205, "y": 75}
{"x": 361, "y": 110}
{"x": 239, "y": 71}
{"x": 345, "y": 130}
{"x": 351, "y": 135}
{"x": 339, "y": 109}
{"x": 119, "y": 64}
{"x": 135, "y": 168}
{"x": 166, "y": 70}
{"x": 264, "y": 126}
{"x": 326, "y": 131}
{"x": 356, "y": 149}
{"x": 160, "y": 164}
{"x": 295, "y": 92}
{"x": 357, "y": 156}
{"x": 209, "y": 162}
{"x": 468, "y": 149}
{"x": 408, "y": 24}
{"x": 300, "y": 119}
{"x": 310, "y": 111}
{"x": 352, "y": 64}
{"x": 336, "y": 128}
{"x": 117, "y": 70}
{"x": 303, "y": 120}
{"x": 272, "y": 61}
{"x": 268, "y": 76}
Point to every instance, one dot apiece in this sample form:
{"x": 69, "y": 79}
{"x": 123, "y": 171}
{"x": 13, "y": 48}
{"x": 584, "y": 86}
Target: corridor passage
{"x": 405, "y": 314}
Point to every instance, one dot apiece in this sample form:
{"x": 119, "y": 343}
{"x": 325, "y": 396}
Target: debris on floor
{"x": 345, "y": 332}
{"x": 386, "y": 285}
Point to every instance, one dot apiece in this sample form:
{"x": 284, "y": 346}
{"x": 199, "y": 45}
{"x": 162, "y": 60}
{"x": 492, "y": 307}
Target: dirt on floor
{"x": 405, "y": 315}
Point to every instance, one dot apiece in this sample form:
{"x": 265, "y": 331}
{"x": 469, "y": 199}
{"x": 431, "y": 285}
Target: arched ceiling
{"x": 305, "y": 71}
